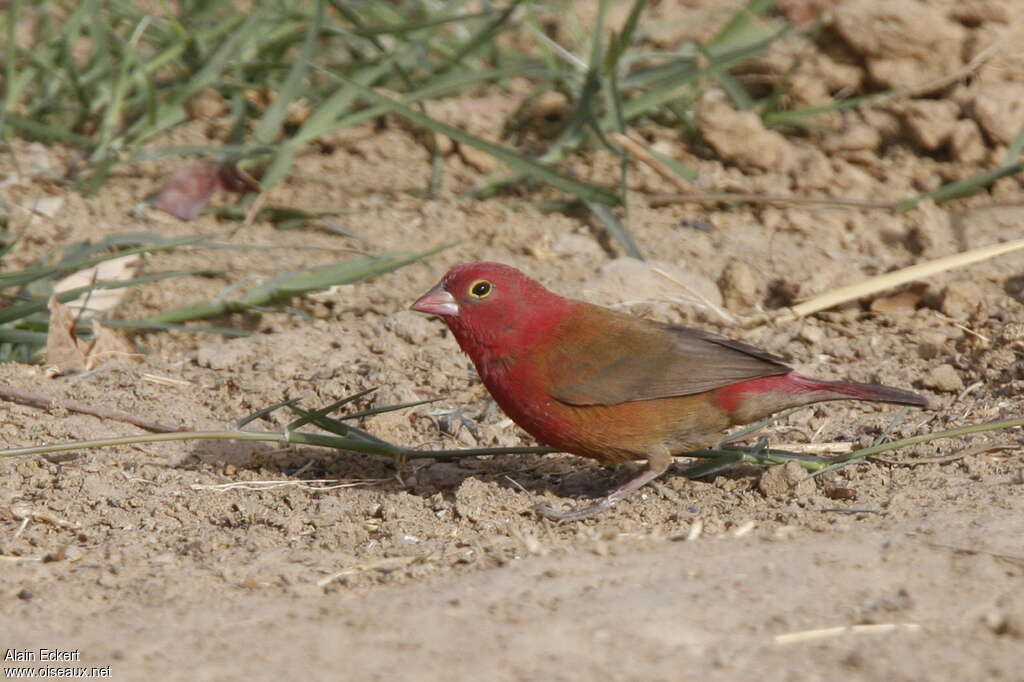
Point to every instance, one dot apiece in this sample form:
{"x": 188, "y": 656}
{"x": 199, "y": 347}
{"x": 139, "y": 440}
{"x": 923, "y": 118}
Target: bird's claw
{"x": 578, "y": 514}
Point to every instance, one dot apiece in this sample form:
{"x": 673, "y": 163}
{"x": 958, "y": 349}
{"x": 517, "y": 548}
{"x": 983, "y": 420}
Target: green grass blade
{"x": 23, "y": 310}
{"x": 289, "y": 285}
{"x": 413, "y": 26}
{"x": 270, "y": 125}
{"x": 170, "y": 326}
{"x": 263, "y": 412}
{"x": 615, "y": 228}
{"x": 482, "y": 38}
{"x": 522, "y": 163}
{"x": 313, "y": 415}
{"x": 714, "y": 466}
{"x": 744, "y": 29}
{"x": 46, "y": 271}
{"x": 961, "y": 188}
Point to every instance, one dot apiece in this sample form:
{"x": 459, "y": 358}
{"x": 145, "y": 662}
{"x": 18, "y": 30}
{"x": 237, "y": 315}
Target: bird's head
{"x": 490, "y": 303}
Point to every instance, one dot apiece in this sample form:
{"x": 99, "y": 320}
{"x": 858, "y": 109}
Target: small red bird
{"x": 601, "y": 384}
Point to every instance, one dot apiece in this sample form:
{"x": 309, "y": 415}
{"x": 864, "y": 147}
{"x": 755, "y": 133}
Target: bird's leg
{"x": 658, "y": 461}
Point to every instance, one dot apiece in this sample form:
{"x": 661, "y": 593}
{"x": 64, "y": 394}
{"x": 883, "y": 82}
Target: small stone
{"x": 944, "y": 378}
{"x": 976, "y": 12}
{"x": 811, "y": 334}
{"x": 856, "y": 137}
{"x": 1012, "y": 332}
{"x": 480, "y": 160}
{"x": 741, "y": 289}
{"x": 966, "y": 144}
{"x": 961, "y": 299}
{"x": 740, "y": 136}
{"x": 999, "y": 110}
{"x": 930, "y": 122}
{"x": 1001, "y": 359}
{"x": 928, "y": 350}
{"x": 786, "y": 480}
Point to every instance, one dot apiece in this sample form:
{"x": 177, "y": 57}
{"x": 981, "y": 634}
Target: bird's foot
{"x": 658, "y": 460}
{"x": 578, "y": 514}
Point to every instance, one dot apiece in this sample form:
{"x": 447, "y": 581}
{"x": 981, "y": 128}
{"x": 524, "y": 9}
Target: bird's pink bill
{"x": 437, "y": 301}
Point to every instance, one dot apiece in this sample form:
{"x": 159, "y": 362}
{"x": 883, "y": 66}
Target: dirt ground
{"x": 169, "y": 561}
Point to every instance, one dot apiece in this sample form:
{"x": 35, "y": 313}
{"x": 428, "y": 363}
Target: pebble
{"x": 783, "y": 481}
{"x": 944, "y": 378}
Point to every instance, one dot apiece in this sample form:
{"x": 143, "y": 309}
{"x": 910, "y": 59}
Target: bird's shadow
{"x": 565, "y": 476}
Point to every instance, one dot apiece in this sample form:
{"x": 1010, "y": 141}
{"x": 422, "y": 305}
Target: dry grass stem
{"x": 718, "y": 310}
{"x": 726, "y": 197}
{"x": 805, "y": 636}
{"x": 307, "y": 484}
{"x": 43, "y": 402}
{"x": 653, "y": 162}
{"x": 890, "y": 280}
{"x": 165, "y": 381}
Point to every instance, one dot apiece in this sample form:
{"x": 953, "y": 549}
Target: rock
{"x": 999, "y": 110}
{"x": 1012, "y": 332}
{"x": 930, "y": 122}
{"x": 944, "y": 378}
{"x": 931, "y": 231}
{"x": 966, "y": 144}
{"x": 783, "y": 481}
{"x": 974, "y": 12}
{"x": 856, "y": 137}
{"x": 885, "y": 122}
{"x": 741, "y": 288}
{"x": 961, "y": 299}
{"x": 810, "y": 333}
{"x": 480, "y": 160}
{"x": 896, "y": 29}
{"x": 740, "y": 137}
{"x": 931, "y": 344}
{"x": 906, "y": 44}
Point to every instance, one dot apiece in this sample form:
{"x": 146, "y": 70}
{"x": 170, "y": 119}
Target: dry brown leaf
{"x": 231, "y": 178}
{"x": 902, "y": 303}
{"x": 68, "y": 353}
{"x": 107, "y": 344}
{"x": 187, "y": 191}
{"x": 63, "y": 349}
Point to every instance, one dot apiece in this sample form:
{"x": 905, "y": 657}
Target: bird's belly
{"x": 613, "y": 434}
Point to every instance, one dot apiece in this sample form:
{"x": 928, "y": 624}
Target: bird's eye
{"x": 480, "y": 289}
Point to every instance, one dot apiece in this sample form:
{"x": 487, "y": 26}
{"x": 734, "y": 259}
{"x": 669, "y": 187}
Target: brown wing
{"x": 606, "y": 358}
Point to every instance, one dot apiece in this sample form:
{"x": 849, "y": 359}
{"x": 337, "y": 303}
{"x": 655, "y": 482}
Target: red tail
{"x": 872, "y": 392}
{"x": 771, "y": 394}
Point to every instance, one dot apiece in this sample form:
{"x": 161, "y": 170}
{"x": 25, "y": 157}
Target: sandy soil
{"x": 146, "y": 559}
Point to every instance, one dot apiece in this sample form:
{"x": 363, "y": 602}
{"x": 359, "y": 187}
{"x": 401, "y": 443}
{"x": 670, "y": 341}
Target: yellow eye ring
{"x": 481, "y": 288}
